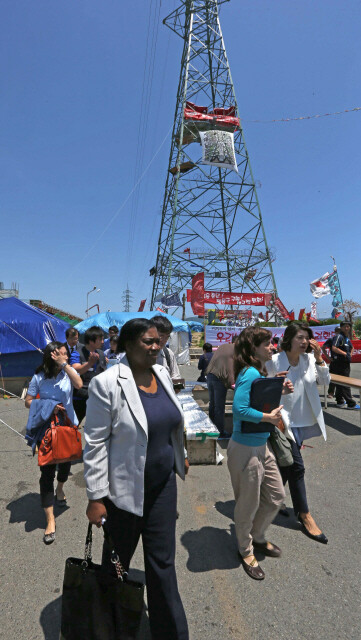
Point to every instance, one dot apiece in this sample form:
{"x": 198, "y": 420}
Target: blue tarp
{"x": 26, "y": 328}
{"x": 106, "y": 320}
{"x": 195, "y": 326}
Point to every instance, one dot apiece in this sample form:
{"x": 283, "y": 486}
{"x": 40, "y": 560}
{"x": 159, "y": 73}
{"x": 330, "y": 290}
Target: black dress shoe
{"x": 284, "y": 512}
{"x": 319, "y": 537}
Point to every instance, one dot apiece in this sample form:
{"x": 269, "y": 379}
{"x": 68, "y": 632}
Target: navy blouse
{"x": 162, "y": 416}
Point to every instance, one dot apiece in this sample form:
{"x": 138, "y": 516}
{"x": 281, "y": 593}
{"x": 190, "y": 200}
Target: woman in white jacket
{"x": 302, "y": 412}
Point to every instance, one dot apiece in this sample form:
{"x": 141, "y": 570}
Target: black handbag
{"x": 265, "y": 396}
{"x": 94, "y": 608}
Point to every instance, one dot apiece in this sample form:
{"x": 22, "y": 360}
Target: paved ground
{"x": 311, "y": 593}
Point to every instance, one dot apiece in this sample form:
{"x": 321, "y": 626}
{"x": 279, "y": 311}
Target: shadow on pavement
{"x": 50, "y": 620}
{"x": 341, "y": 425}
{"x": 287, "y": 522}
{"x": 27, "y": 509}
{"x": 226, "y": 508}
{"x": 210, "y": 548}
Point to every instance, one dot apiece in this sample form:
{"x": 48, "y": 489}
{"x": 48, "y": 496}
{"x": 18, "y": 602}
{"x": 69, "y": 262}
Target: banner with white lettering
{"x": 219, "y": 335}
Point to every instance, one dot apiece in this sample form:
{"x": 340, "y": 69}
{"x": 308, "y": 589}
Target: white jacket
{"x": 116, "y": 436}
{"x": 311, "y": 374}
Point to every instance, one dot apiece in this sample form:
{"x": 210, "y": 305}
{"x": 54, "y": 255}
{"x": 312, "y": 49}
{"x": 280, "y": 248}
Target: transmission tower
{"x": 127, "y": 299}
{"x": 211, "y": 218}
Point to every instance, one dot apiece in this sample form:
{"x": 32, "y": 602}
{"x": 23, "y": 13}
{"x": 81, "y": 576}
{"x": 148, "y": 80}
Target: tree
{"x": 350, "y": 307}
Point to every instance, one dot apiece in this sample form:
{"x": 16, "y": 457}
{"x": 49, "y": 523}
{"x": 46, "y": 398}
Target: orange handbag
{"x": 61, "y": 442}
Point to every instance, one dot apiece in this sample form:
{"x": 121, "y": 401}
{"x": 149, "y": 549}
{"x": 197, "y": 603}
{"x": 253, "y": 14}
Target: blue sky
{"x": 74, "y": 76}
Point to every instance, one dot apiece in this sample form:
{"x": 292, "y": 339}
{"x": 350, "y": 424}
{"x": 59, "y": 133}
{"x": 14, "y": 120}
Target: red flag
{"x": 188, "y": 250}
{"x": 301, "y": 314}
{"x": 142, "y": 305}
{"x": 260, "y": 316}
{"x": 291, "y": 315}
{"x": 197, "y": 299}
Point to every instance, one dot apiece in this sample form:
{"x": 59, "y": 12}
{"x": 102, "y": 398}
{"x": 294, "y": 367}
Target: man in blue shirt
{"x": 112, "y": 331}
{"x": 341, "y": 353}
{"x": 88, "y": 361}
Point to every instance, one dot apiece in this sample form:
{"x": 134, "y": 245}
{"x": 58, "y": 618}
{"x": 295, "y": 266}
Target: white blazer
{"x": 116, "y": 436}
{"x": 311, "y": 374}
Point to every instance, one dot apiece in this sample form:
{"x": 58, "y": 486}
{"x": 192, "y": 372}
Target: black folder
{"x": 265, "y": 396}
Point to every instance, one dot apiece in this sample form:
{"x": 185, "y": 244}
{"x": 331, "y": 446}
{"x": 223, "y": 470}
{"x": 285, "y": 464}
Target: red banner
{"x": 196, "y": 295}
{"x": 356, "y": 346}
{"x": 282, "y": 309}
{"x": 142, "y": 305}
{"x": 357, "y": 351}
{"x": 220, "y": 115}
{"x": 249, "y": 299}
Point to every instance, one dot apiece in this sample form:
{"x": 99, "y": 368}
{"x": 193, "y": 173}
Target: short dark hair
{"x": 244, "y": 355}
{"x": 70, "y": 332}
{"x": 92, "y": 334}
{"x": 113, "y": 339}
{"x": 132, "y": 330}
{"x": 290, "y": 333}
{"x": 163, "y": 324}
{"x": 48, "y": 365}
{"x": 342, "y": 324}
{"x": 207, "y": 347}
{"x": 113, "y": 328}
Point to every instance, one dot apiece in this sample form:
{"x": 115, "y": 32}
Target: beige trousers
{"x": 258, "y": 491}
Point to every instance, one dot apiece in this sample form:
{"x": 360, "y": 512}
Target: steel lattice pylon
{"x": 211, "y": 211}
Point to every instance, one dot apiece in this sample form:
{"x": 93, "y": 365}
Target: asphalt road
{"x": 311, "y": 593}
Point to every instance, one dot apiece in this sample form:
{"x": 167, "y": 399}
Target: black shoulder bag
{"x": 93, "y": 610}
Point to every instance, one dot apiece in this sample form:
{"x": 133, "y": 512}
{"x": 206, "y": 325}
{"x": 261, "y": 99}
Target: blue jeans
{"x": 295, "y": 474}
{"x": 217, "y": 400}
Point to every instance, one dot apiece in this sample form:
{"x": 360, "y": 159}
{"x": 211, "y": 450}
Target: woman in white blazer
{"x": 134, "y": 446}
{"x": 302, "y": 413}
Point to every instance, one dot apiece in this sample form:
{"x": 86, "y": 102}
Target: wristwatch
{"x": 64, "y": 365}
{"x": 320, "y": 363}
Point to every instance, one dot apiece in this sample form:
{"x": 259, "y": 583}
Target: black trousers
{"x": 79, "y": 405}
{"x": 295, "y": 476}
{"x": 331, "y": 386}
{"x": 47, "y": 481}
{"x": 157, "y": 528}
{"x": 342, "y": 368}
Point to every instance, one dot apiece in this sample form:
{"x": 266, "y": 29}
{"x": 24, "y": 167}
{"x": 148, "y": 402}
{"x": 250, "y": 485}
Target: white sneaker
{"x": 341, "y": 404}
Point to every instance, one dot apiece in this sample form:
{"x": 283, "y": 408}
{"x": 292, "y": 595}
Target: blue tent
{"x": 24, "y": 332}
{"x": 109, "y": 318}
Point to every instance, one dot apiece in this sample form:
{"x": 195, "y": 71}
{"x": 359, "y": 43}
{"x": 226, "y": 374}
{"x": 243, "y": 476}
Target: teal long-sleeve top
{"x": 242, "y": 410}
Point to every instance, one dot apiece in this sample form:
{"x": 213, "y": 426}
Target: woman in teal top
{"x": 256, "y": 480}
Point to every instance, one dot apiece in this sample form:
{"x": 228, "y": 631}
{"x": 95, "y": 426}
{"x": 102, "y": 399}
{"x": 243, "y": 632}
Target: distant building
{"x": 9, "y": 293}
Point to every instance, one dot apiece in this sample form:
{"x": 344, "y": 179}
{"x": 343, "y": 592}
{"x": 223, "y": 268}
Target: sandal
{"x": 49, "y": 538}
{"x": 253, "y": 571}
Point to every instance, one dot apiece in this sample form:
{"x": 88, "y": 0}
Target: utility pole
{"x": 127, "y": 299}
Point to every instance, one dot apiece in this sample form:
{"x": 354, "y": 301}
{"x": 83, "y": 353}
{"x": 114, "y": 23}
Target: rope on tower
{"x": 322, "y": 115}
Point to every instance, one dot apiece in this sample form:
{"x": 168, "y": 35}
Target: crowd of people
{"x": 134, "y": 435}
